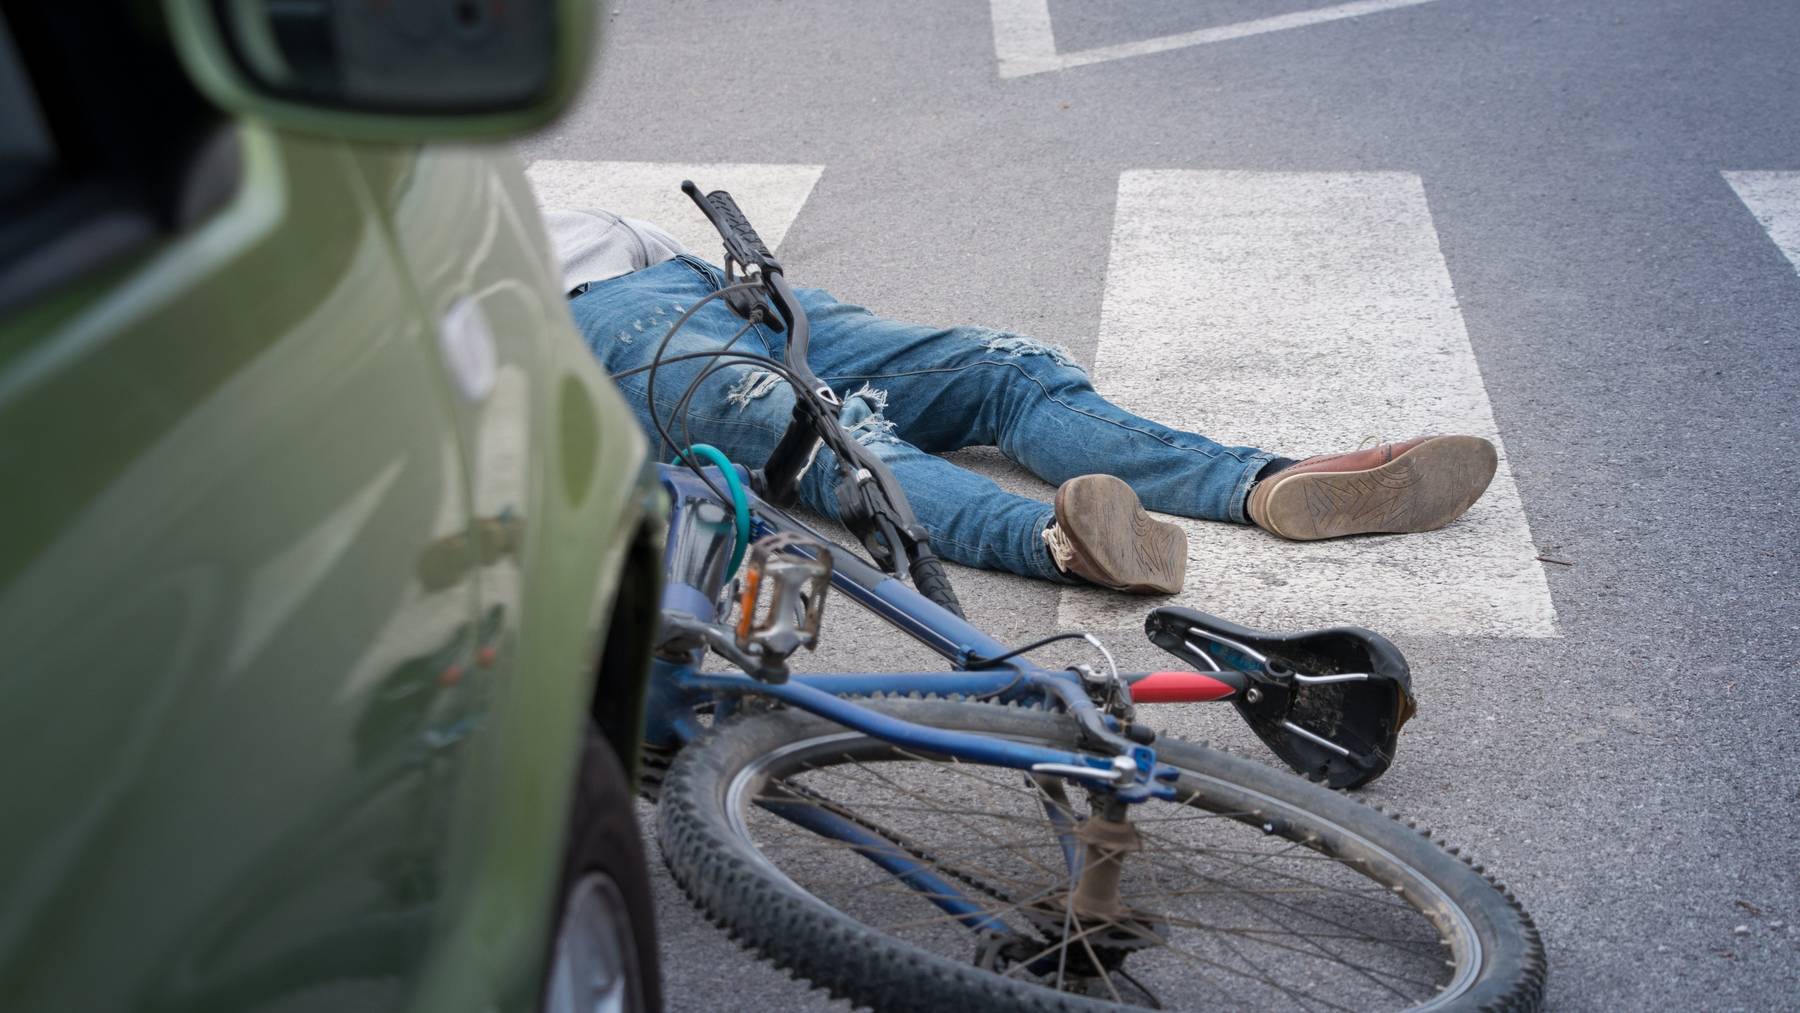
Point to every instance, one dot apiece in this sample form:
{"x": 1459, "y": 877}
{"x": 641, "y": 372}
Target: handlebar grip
{"x": 741, "y": 241}
{"x": 929, "y": 577}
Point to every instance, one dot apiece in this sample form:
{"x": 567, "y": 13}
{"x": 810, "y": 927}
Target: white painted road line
{"x": 1025, "y": 39}
{"x": 1774, "y": 198}
{"x": 1306, "y": 312}
{"x": 771, "y": 195}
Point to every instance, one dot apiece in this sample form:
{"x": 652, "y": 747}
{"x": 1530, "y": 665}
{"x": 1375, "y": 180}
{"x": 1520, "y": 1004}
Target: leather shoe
{"x": 1417, "y": 485}
{"x": 1102, "y": 535}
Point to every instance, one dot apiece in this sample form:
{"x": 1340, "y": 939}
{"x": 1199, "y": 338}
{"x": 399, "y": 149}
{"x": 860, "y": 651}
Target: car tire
{"x": 602, "y": 955}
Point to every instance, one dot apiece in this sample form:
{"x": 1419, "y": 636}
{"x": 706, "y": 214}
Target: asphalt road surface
{"x": 1561, "y": 225}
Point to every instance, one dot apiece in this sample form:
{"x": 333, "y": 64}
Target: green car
{"x": 328, "y": 557}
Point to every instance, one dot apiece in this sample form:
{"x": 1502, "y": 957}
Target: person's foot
{"x": 1102, "y": 535}
{"x": 1417, "y": 485}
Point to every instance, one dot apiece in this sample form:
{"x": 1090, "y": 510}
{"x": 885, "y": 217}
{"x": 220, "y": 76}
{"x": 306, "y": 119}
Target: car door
{"x": 237, "y": 594}
{"x": 554, "y": 464}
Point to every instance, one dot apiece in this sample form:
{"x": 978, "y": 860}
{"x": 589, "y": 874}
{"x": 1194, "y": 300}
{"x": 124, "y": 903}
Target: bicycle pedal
{"x": 781, "y": 606}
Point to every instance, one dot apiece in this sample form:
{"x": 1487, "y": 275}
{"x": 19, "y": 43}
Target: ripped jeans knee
{"x": 753, "y": 385}
{"x": 763, "y": 396}
{"x": 864, "y": 419}
{"x": 1020, "y": 347}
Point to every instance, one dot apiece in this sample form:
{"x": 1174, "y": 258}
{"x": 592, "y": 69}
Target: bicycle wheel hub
{"x": 1106, "y": 845}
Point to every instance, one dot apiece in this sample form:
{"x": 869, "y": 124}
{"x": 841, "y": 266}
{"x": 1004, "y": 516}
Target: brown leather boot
{"x": 1413, "y": 486}
{"x": 1103, "y": 536}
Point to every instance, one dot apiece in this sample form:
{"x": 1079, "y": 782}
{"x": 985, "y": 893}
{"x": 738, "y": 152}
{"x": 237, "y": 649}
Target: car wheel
{"x": 603, "y": 953}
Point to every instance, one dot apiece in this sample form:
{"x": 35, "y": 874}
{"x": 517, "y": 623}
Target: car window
{"x": 86, "y": 178}
{"x": 26, "y": 153}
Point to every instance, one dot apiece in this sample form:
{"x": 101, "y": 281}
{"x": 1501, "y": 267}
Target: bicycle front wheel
{"x": 905, "y": 881}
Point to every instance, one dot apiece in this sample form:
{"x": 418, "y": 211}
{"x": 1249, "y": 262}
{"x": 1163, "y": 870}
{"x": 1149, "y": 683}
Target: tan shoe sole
{"x": 1116, "y": 544}
{"x": 1425, "y": 488}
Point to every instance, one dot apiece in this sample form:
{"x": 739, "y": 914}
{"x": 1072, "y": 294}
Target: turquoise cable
{"x": 739, "y": 501}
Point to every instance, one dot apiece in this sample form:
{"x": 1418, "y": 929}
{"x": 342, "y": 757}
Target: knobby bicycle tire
{"x": 772, "y": 758}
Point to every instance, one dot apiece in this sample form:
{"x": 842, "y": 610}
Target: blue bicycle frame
{"x": 699, "y": 543}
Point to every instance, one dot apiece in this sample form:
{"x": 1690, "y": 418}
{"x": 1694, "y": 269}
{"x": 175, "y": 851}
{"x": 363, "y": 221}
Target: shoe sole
{"x": 1421, "y": 490}
{"x": 1117, "y": 545}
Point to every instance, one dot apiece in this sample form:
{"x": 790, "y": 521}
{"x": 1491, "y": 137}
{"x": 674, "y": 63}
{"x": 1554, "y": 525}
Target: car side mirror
{"x": 394, "y": 70}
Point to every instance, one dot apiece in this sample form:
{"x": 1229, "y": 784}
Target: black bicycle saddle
{"x": 1329, "y": 702}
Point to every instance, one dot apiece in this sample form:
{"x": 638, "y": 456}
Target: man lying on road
{"x": 911, "y": 391}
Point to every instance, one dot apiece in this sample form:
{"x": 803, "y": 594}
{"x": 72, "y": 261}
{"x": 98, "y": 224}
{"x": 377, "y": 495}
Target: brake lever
{"x": 875, "y": 509}
{"x": 746, "y": 304}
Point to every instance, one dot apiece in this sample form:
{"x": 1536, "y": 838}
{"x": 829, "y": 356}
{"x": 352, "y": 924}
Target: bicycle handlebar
{"x": 801, "y": 440}
{"x": 741, "y": 241}
{"x": 870, "y": 499}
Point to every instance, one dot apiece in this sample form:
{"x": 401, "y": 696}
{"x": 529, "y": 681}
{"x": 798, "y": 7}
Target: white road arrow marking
{"x": 1025, "y": 40}
{"x": 1774, "y": 198}
{"x": 1303, "y": 312}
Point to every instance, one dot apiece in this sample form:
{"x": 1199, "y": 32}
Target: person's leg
{"x": 743, "y": 409}
{"x": 1097, "y": 530}
{"x": 971, "y": 520}
{"x": 954, "y": 387}
{"x": 948, "y": 388}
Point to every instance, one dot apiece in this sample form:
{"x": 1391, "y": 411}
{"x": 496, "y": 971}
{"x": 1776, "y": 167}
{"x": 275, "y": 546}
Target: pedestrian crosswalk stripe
{"x": 1305, "y": 313}
{"x": 770, "y": 194}
{"x": 1774, "y": 198}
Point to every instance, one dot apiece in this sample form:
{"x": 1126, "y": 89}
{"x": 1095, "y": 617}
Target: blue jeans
{"x": 909, "y": 392}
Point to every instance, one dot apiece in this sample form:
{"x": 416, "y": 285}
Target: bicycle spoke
{"x": 945, "y": 918}
{"x": 1295, "y": 949}
{"x": 942, "y": 811}
{"x": 1290, "y": 907}
{"x": 1062, "y": 955}
{"x": 1197, "y": 959}
{"x": 1061, "y": 944}
{"x": 1371, "y": 893}
{"x": 1241, "y": 955}
{"x": 1105, "y": 979}
{"x": 1250, "y": 917}
{"x": 899, "y": 840}
{"x": 1328, "y": 953}
{"x": 915, "y": 795}
{"x": 1238, "y": 930}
